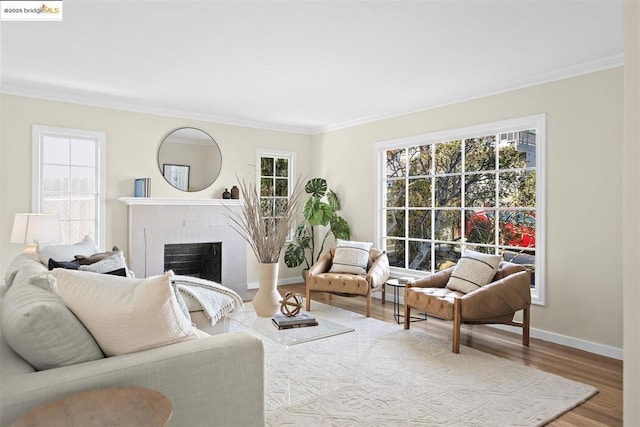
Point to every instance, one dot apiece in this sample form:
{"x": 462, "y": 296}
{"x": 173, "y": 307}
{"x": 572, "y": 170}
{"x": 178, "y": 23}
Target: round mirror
{"x": 189, "y": 159}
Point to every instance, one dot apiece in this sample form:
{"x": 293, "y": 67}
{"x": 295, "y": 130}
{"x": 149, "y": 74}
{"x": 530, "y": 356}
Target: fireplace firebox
{"x": 203, "y": 260}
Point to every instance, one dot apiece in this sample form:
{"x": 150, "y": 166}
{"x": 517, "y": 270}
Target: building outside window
{"x": 68, "y": 180}
{"x": 478, "y": 188}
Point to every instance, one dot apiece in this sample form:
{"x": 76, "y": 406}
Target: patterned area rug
{"x": 382, "y": 375}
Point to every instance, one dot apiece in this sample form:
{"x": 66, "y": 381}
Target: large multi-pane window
{"x": 276, "y": 170}
{"x": 476, "y": 188}
{"x": 68, "y": 180}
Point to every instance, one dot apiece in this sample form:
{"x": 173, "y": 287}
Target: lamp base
{"x": 31, "y": 248}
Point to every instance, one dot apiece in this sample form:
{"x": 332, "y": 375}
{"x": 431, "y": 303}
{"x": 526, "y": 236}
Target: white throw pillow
{"x": 473, "y": 270}
{"x": 125, "y": 315}
{"x": 351, "y": 257}
{"x": 64, "y": 253}
{"x": 110, "y": 263}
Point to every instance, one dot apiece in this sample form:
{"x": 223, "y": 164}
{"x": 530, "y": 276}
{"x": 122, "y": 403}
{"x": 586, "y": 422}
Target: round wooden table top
{"x": 129, "y": 406}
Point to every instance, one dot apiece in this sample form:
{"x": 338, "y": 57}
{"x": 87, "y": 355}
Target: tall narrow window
{"x": 275, "y": 173}
{"x": 477, "y": 188}
{"x": 68, "y": 180}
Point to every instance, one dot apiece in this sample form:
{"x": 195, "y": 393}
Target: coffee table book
{"x": 281, "y": 321}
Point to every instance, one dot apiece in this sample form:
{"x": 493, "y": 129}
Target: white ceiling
{"x": 303, "y": 66}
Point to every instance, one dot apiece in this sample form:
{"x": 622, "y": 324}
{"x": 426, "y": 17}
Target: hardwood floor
{"x": 604, "y": 409}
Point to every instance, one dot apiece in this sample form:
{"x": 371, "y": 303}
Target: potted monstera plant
{"x": 320, "y": 216}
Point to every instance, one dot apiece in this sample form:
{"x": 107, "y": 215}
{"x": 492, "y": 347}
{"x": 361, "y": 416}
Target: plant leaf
{"x": 301, "y": 231}
{"x": 317, "y": 212}
{"x": 317, "y": 187}
{"x": 332, "y": 198}
{"x": 293, "y": 256}
{"x": 340, "y": 228}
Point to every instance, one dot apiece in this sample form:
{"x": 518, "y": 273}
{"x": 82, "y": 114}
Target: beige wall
{"x": 631, "y": 213}
{"x": 132, "y": 143}
{"x": 584, "y": 172}
{"x": 584, "y": 162}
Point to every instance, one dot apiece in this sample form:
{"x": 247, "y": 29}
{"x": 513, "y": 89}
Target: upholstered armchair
{"x": 497, "y": 302}
{"x": 320, "y": 279}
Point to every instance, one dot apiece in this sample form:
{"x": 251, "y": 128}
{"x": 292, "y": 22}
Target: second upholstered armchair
{"x": 506, "y": 293}
{"x": 320, "y": 278}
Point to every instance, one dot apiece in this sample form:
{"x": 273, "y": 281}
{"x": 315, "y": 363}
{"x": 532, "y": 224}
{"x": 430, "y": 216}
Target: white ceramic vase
{"x": 266, "y": 303}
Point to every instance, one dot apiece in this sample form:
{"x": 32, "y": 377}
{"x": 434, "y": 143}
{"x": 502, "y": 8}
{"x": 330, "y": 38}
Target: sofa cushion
{"x": 473, "y": 270}
{"x": 39, "y": 327}
{"x": 351, "y": 257}
{"x": 125, "y": 315}
{"x": 66, "y": 252}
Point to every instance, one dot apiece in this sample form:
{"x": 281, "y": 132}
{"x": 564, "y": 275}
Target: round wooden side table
{"x": 122, "y": 407}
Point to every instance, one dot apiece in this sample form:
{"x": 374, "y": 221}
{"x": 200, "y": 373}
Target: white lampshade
{"x": 36, "y": 228}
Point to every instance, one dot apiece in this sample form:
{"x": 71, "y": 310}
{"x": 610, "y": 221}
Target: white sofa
{"x": 212, "y": 381}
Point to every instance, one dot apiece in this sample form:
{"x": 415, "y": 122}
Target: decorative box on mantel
{"x": 156, "y": 222}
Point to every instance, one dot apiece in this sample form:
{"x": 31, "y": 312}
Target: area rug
{"x": 382, "y": 375}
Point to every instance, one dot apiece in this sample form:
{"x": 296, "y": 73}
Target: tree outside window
{"x": 444, "y": 196}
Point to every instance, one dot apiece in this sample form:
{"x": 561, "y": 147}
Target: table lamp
{"x": 32, "y": 229}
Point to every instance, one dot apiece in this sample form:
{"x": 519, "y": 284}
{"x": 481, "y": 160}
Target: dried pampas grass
{"x": 266, "y": 235}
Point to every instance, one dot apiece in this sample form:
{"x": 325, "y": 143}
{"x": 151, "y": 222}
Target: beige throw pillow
{"x": 125, "y": 315}
{"x": 351, "y": 257}
{"x": 473, "y": 270}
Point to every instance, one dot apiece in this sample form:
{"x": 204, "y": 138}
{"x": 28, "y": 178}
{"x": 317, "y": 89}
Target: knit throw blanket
{"x": 215, "y": 299}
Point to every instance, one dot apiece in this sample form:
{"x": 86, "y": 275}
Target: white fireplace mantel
{"x": 154, "y": 222}
{"x": 164, "y": 201}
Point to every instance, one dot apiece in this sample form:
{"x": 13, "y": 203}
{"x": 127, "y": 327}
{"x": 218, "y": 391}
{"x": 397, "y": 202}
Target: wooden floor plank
{"x": 604, "y": 409}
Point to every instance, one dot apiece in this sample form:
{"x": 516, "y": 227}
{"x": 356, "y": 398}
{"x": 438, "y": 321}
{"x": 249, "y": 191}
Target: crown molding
{"x": 602, "y": 64}
{"x": 97, "y": 101}
{"x": 102, "y": 102}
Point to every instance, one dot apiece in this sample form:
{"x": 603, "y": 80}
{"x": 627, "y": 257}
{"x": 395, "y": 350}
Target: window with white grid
{"x": 479, "y": 188}
{"x": 275, "y": 171}
{"x": 68, "y": 180}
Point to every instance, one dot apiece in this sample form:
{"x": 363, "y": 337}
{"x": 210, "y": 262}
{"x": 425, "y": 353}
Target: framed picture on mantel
{"x": 177, "y": 175}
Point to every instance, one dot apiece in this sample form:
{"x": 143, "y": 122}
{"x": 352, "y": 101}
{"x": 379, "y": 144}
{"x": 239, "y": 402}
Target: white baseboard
{"x": 285, "y": 281}
{"x": 578, "y": 343}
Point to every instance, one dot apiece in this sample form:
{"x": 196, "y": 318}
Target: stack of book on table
{"x": 301, "y": 320}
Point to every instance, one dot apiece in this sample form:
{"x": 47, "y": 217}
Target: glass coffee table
{"x": 288, "y": 337}
{"x": 290, "y": 354}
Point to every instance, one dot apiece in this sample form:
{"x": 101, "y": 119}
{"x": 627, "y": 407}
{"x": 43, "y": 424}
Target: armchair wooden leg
{"x": 457, "y": 314}
{"x": 526, "y": 318}
{"x": 308, "y": 300}
{"x": 384, "y": 293}
{"x": 369, "y": 304}
{"x": 407, "y": 313}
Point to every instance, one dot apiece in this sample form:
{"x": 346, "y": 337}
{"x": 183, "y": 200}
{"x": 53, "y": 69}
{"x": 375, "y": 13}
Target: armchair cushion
{"x": 351, "y": 257}
{"x": 473, "y": 270}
